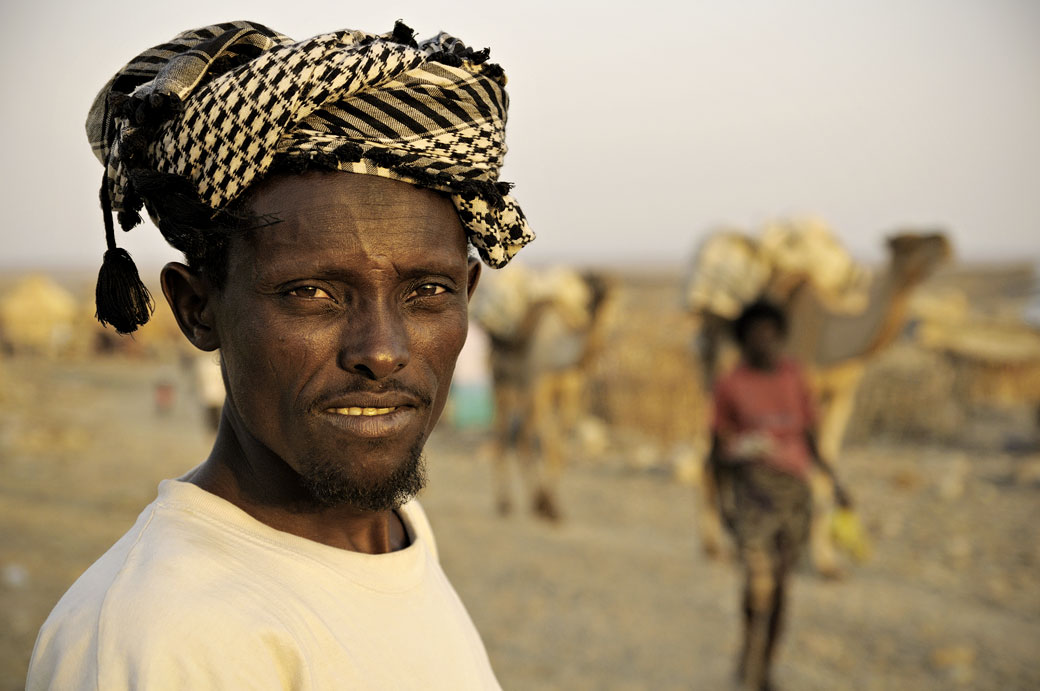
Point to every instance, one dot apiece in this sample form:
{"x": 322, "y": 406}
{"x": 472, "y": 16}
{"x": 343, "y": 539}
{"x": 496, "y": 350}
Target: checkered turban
{"x": 213, "y": 110}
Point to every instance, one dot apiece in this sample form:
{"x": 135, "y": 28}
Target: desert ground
{"x": 618, "y": 596}
{"x": 942, "y": 458}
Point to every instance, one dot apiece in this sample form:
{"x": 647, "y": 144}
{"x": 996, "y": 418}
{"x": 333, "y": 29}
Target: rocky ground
{"x": 618, "y": 596}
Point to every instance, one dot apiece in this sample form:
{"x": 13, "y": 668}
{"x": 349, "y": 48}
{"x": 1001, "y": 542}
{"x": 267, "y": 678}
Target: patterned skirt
{"x": 766, "y": 510}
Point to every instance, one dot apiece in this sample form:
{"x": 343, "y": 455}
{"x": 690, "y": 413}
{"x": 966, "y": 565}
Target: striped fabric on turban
{"x": 216, "y": 108}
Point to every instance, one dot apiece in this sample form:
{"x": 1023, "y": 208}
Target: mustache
{"x": 372, "y": 388}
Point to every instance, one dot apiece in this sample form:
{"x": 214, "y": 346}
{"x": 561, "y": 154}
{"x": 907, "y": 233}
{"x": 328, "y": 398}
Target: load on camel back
{"x": 840, "y": 315}
{"x": 545, "y": 328}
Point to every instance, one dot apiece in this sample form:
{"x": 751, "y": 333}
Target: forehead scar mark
{"x": 257, "y": 222}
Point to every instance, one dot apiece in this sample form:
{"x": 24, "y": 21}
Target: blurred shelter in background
{"x": 969, "y": 371}
{"x": 160, "y": 338}
{"x": 37, "y": 316}
{"x": 54, "y": 315}
{"x": 644, "y": 384}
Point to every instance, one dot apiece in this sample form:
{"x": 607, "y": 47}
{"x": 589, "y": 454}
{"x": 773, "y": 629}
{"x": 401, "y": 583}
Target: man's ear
{"x": 191, "y": 299}
{"x": 473, "y": 277}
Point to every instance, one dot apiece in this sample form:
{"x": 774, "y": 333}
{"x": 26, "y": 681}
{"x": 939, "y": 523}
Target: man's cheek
{"x": 454, "y": 338}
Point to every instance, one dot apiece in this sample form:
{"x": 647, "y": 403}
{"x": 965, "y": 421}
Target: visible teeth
{"x": 353, "y": 410}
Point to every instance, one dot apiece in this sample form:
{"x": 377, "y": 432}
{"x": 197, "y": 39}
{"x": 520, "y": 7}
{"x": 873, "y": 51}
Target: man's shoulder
{"x": 173, "y": 553}
{"x": 178, "y": 563}
{"x": 166, "y": 584}
{"x": 164, "y": 553}
{"x": 132, "y": 636}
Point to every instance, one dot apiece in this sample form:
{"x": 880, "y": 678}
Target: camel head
{"x": 915, "y": 256}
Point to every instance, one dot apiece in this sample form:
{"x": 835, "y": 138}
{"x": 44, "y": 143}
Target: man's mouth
{"x": 368, "y": 412}
{"x": 373, "y": 421}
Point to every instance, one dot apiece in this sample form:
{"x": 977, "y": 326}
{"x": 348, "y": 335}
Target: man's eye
{"x": 311, "y": 292}
{"x": 429, "y": 290}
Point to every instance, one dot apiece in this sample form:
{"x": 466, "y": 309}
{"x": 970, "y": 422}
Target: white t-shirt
{"x": 200, "y": 595}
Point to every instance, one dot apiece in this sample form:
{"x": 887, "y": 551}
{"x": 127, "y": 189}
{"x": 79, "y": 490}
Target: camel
{"x": 544, "y": 331}
{"x": 836, "y": 347}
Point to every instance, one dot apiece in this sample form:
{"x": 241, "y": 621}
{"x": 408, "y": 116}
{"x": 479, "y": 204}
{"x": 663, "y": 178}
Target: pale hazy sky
{"x": 632, "y": 131}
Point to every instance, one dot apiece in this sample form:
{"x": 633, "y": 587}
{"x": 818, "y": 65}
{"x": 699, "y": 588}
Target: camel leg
{"x": 525, "y": 434}
{"x": 570, "y": 405}
{"x": 503, "y": 444}
{"x": 839, "y": 396}
{"x": 569, "y": 387}
{"x": 839, "y": 386}
{"x": 545, "y": 426}
{"x": 821, "y": 549}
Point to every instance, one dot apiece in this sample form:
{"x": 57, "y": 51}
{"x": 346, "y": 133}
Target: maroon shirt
{"x": 775, "y": 404}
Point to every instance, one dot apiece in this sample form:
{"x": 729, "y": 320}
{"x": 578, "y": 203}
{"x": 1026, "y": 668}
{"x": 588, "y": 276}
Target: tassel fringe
{"x": 122, "y": 299}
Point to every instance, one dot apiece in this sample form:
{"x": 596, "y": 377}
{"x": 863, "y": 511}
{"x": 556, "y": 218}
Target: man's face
{"x": 339, "y": 328}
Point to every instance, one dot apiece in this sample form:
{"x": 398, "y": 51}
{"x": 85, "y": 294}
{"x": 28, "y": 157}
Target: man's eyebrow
{"x": 433, "y": 267}
{"x": 320, "y": 268}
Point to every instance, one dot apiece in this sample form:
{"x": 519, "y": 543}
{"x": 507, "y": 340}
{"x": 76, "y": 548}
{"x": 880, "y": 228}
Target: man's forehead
{"x": 328, "y": 221}
{"x": 319, "y": 206}
{"x": 329, "y": 243}
{"x": 360, "y": 195}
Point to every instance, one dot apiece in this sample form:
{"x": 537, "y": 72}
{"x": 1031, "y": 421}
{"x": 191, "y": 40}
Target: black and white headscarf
{"x": 217, "y": 107}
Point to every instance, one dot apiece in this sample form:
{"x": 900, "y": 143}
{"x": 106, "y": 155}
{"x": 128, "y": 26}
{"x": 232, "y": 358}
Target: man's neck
{"x": 242, "y": 471}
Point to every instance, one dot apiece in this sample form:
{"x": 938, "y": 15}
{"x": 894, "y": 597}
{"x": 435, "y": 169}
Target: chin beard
{"x": 331, "y": 486}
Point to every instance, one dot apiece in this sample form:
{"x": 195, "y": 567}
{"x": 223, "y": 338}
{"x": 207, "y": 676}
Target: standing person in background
{"x": 763, "y": 448}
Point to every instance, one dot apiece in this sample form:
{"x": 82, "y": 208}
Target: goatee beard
{"x": 331, "y": 487}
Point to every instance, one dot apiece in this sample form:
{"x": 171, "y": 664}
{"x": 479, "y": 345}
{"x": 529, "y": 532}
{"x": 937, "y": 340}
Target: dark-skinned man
{"x": 327, "y": 195}
{"x": 763, "y": 447}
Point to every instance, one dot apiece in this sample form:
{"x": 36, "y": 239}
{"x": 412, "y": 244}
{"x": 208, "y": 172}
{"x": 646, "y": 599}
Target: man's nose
{"x": 375, "y": 343}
